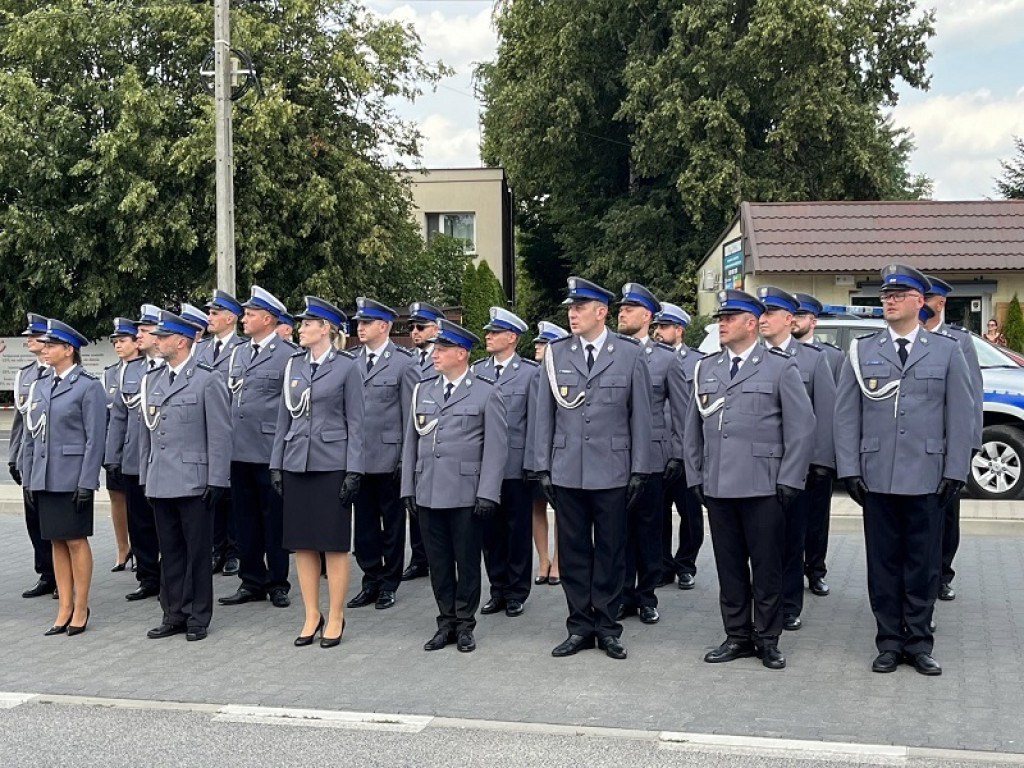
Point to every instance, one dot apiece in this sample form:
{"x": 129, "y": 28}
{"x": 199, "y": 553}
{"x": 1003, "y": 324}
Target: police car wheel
{"x": 997, "y": 472}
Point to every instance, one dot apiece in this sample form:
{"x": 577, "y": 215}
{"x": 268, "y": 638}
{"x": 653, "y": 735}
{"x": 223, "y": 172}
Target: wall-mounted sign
{"x": 732, "y": 264}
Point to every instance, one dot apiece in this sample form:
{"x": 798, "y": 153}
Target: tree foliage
{"x": 630, "y": 131}
{"x": 1013, "y": 326}
{"x": 107, "y": 194}
{"x": 1011, "y": 184}
{"x": 481, "y": 290}
{"x": 433, "y": 273}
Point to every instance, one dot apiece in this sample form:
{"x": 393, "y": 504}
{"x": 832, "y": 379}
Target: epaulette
{"x": 430, "y": 375}
{"x": 87, "y": 375}
{"x": 946, "y": 336}
{"x": 820, "y": 350}
{"x": 779, "y": 352}
{"x": 357, "y": 349}
{"x": 867, "y": 335}
{"x": 290, "y": 343}
{"x": 632, "y": 339}
{"x": 404, "y": 350}
{"x": 204, "y": 367}
{"x": 663, "y": 345}
{"x": 112, "y": 365}
{"x": 479, "y": 377}
{"x": 528, "y": 361}
{"x": 830, "y": 344}
{"x": 299, "y": 353}
{"x": 956, "y": 327}
{"x": 346, "y": 353}
{"x": 33, "y": 364}
{"x": 154, "y": 369}
{"x": 559, "y": 341}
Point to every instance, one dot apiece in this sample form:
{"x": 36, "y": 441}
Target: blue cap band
{"x": 639, "y": 299}
{"x": 500, "y": 325}
{"x": 324, "y": 314}
{"x": 742, "y": 306}
{"x": 372, "y": 313}
{"x": 259, "y": 303}
{"x": 174, "y": 327}
{"x": 903, "y": 281}
{"x": 777, "y": 302}
{"x": 67, "y": 338}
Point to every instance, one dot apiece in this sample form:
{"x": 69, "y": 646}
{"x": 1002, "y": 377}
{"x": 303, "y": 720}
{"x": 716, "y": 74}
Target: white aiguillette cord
{"x": 297, "y": 410}
{"x": 549, "y": 368}
{"x": 711, "y": 409}
{"x": 427, "y": 428}
{"x": 892, "y": 389}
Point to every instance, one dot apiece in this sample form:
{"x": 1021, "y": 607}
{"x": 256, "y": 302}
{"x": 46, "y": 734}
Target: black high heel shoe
{"x": 330, "y": 642}
{"x": 58, "y": 629}
{"x": 122, "y": 565}
{"x": 302, "y": 640}
{"x": 543, "y": 579}
{"x": 73, "y": 630}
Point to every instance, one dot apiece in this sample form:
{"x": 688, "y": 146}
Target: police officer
{"x": 184, "y": 457}
{"x": 903, "y": 445}
{"x": 286, "y": 328}
{"x": 669, "y": 327}
{"x": 423, "y": 319}
{"x": 255, "y": 381}
{"x": 935, "y": 299}
{"x": 507, "y": 535}
{"x": 453, "y": 458}
{"x": 668, "y": 412}
{"x": 593, "y": 443}
{"x": 19, "y": 459}
{"x": 223, "y": 312}
{"x": 749, "y": 442}
{"x": 388, "y": 374}
{"x": 776, "y": 326}
{"x": 819, "y": 503}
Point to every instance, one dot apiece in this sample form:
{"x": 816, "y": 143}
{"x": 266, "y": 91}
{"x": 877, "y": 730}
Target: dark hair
{"x": 993, "y": 320}
{"x": 77, "y": 356}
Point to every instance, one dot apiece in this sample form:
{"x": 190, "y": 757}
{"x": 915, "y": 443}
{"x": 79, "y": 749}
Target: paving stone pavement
{"x": 827, "y": 691}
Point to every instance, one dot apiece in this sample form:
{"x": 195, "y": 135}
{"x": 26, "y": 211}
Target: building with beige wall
{"x": 835, "y": 250}
{"x": 473, "y": 204}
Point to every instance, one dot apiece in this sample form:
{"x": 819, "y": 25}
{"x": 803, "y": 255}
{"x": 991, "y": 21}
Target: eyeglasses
{"x": 420, "y": 326}
{"x": 896, "y": 296}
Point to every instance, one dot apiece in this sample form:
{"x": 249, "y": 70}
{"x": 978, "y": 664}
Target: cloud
{"x": 987, "y": 22}
{"x": 459, "y": 39}
{"x": 447, "y": 145}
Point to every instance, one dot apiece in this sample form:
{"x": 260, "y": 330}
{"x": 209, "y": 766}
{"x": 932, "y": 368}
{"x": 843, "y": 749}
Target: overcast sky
{"x": 962, "y": 126}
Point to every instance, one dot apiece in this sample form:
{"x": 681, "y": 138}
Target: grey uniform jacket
{"x": 835, "y": 356}
{"x": 668, "y": 403}
{"x": 68, "y": 453}
{"x": 16, "y": 453}
{"x": 905, "y": 446}
{"x": 387, "y": 393}
{"x": 256, "y": 387}
{"x": 329, "y": 436}
{"x": 189, "y": 448}
{"x": 821, "y": 389}
{"x": 462, "y": 456}
{"x": 687, "y": 359}
{"x": 517, "y": 388}
{"x": 125, "y": 422}
{"x": 204, "y": 353}
{"x": 761, "y": 434}
{"x": 600, "y": 443}
{"x": 426, "y": 367}
{"x": 970, "y": 354}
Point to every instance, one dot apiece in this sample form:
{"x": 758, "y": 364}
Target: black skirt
{"x": 59, "y": 518}
{"x": 313, "y": 517}
{"x": 114, "y": 485}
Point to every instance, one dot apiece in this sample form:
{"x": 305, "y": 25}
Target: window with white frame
{"x": 461, "y": 226}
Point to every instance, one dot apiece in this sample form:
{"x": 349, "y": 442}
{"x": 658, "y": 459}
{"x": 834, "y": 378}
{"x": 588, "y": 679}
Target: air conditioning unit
{"x": 709, "y": 280}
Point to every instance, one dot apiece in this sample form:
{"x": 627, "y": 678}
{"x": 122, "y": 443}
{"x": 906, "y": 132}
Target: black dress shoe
{"x": 231, "y": 566}
{"x": 513, "y": 608}
{"x": 819, "y": 587}
{"x": 612, "y": 647}
{"x": 625, "y": 612}
{"x": 440, "y": 639}
{"x": 141, "y": 593}
{"x": 466, "y": 643}
{"x": 243, "y": 595}
{"x": 792, "y": 623}
{"x": 365, "y": 597}
{"x": 385, "y": 600}
{"x": 80, "y": 628}
{"x": 772, "y": 657}
{"x": 40, "y": 588}
{"x": 926, "y": 665}
{"x": 686, "y": 581}
{"x": 279, "y": 598}
{"x": 730, "y": 651}
{"x": 196, "y": 633}
{"x": 572, "y": 645}
{"x": 886, "y": 661}
{"x": 57, "y": 629}
{"x": 303, "y": 640}
{"x": 946, "y": 592}
{"x": 414, "y": 571}
{"x": 493, "y": 605}
{"x": 218, "y": 563}
{"x": 649, "y": 614}
{"x": 331, "y": 642}
{"x": 554, "y": 581}
{"x": 165, "y": 630}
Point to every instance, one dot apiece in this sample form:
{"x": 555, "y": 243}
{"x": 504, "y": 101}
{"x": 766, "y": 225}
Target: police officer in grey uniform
{"x": 423, "y": 319}
{"x": 903, "y": 444}
{"x": 935, "y": 298}
{"x": 593, "y": 444}
{"x": 255, "y": 382}
{"x": 507, "y": 535}
{"x": 669, "y": 327}
{"x": 819, "y": 509}
{"x": 749, "y": 440}
{"x": 18, "y": 459}
{"x": 668, "y": 413}
{"x": 776, "y": 326}
{"x": 185, "y": 463}
{"x": 453, "y": 459}
{"x": 388, "y": 374}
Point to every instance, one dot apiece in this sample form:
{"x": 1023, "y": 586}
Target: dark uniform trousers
{"x": 950, "y": 537}
{"x": 453, "y": 538}
{"x": 797, "y": 520}
{"x": 903, "y": 539}
{"x": 508, "y": 542}
{"x": 747, "y": 536}
{"x": 225, "y": 534}
{"x": 42, "y": 550}
{"x": 419, "y": 551}
{"x": 691, "y": 531}
{"x": 819, "y": 489}
{"x": 259, "y": 515}
{"x": 643, "y": 546}
{"x": 142, "y": 533}
{"x": 185, "y": 530}
{"x": 380, "y": 532}
{"x": 592, "y": 566}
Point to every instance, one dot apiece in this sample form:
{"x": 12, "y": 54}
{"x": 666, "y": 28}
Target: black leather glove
{"x": 349, "y": 488}
{"x": 546, "y": 486}
{"x": 698, "y": 491}
{"x": 484, "y": 509}
{"x": 635, "y": 490}
{"x": 948, "y": 490}
{"x": 114, "y": 472}
{"x": 82, "y": 499}
{"x": 822, "y": 472}
{"x": 396, "y": 474}
{"x": 674, "y": 471}
{"x": 212, "y": 495}
{"x": 786, "y": 495}
{"x": 409, "y": 502}
{"x": 277, "y": 481}
{"x": 15, "y": 474}
{"x": 856, "y": 488}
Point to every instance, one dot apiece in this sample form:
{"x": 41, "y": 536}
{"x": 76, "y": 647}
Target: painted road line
{"x": 323, "y": 718}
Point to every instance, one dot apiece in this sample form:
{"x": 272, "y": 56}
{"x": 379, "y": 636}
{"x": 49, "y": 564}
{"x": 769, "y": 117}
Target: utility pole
{"x": 225, "y": 154}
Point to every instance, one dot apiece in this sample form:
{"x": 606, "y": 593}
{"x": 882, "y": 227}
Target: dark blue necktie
{"x": 902, "y": 351}
{"x": 448, "y": 390}
{"x": 312, "y": 369}
{"x": 735, "y": 366}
